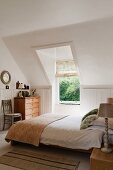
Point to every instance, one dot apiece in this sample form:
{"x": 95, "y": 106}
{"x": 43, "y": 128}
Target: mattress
{"x": 66, "y": 133}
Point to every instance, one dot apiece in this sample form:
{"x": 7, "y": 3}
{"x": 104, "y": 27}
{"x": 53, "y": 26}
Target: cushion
{"x": 101, "y": 122}
{"x": 92, "y": 112}
{"x": 87, "y": 121}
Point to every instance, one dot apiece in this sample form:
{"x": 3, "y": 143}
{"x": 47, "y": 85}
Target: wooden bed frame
{"x": 13, "y": 143}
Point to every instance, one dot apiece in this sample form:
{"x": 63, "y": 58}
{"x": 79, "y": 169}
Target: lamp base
{"x": 106, "y": 150}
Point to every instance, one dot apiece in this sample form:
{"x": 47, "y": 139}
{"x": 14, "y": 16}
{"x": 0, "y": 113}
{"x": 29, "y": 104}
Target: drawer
{"x": 28, "y": 111}
{"x": 28, "y": 100}
{"x": 34, "y": 110}
{"x": 28, "y": 105}
{"x": 28, "y": 117}
{"x": 35, "y": 100}
{"x": 35, "y": 104}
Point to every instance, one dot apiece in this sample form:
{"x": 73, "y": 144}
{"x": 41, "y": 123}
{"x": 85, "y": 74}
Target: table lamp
{"x": 110, "y": 100}
{"x": 106, "y": 111}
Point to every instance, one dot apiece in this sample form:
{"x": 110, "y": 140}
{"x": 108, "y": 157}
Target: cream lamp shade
{"x": 106, "y": 110}
{"x": 110, "y": 100}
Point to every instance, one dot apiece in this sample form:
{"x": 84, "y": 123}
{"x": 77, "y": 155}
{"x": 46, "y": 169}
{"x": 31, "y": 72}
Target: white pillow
{"x": 101, "y": 122}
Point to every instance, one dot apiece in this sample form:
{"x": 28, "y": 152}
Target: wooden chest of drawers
{"x": 27, "y": 106}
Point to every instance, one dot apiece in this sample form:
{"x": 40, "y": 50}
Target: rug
{"x": 38, "y": 159}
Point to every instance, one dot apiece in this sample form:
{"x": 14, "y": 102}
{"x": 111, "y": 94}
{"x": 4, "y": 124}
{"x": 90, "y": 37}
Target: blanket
{"x": 29, "y": 131}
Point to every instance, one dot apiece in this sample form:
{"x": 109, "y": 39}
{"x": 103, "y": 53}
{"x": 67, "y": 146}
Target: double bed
{"x": 58, "y": 130}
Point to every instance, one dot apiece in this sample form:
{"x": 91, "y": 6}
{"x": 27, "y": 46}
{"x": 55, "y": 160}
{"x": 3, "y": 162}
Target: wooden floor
{"x": 5, "y": 147}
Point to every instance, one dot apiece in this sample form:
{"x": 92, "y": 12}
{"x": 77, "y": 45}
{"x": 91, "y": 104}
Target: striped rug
{"x": 38, "y": 159}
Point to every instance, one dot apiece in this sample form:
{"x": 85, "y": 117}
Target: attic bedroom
{"x": 43, "y": 46}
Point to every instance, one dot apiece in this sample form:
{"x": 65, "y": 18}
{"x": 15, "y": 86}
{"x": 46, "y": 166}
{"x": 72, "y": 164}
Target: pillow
{"x": 92, "y": 112}
{"x": 101, "y": 122}
{"x": 87, "y": 121}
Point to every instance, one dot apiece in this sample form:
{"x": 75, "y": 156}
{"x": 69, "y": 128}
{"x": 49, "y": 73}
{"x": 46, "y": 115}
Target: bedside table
{"x": 100, "y": 160}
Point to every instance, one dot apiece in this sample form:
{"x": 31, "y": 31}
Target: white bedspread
{"x": 67, "y": 133}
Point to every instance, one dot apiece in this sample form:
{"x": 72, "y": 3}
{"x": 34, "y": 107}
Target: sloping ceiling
{"x": 21, "y": 16}
{"x": 86, "y": 25}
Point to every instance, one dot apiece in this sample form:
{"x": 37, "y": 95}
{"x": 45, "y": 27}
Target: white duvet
{"x": 66, "y": 133}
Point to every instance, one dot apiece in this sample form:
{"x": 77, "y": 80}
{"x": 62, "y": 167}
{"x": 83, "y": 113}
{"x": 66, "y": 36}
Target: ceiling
{"x": 86, "y": 25}
{"x": 21, "y": 16}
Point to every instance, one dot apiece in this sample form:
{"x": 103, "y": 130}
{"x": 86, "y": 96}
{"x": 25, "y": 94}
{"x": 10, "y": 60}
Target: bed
{"x": 58, "y": 130}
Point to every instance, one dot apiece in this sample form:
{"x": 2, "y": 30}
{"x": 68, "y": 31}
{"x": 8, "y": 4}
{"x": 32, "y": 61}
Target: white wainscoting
{"x": 46, "y": 99}
{"x": 92, "y": 97}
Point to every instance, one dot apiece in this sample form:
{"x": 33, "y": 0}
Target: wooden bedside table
{"x": 100, "y": 160}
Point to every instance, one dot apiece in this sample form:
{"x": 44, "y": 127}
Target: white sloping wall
{"x": 7, "y": 63}
{"x": 92, "y": 47}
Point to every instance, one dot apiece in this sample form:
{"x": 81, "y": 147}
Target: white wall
{"x": 91, "y": 97}
{"x": 46, "y": 99}
{"x": 92, "y": 46}
{"x": 7, "y": 63}
{"x": 47, "y": 59}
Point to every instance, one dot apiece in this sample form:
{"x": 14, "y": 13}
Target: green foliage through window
{"x": 69, "y": 88}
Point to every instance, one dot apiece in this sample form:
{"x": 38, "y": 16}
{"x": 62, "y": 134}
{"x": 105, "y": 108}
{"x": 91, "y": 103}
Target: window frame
{"x": 58, "y": 95}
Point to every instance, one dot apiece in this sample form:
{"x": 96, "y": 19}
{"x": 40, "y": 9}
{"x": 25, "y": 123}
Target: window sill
{"x": 69, "y": 103}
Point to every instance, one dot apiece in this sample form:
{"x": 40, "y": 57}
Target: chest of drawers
{"x": 27, "y": 106}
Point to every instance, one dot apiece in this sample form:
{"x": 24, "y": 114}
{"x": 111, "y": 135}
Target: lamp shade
{"x": 110, "y": 100}
{"x": 106, "y": 110}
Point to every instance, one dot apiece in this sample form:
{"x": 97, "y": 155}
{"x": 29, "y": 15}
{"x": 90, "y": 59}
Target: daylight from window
{"x": 69, "y": 89}
{"x": 69, "y": 85}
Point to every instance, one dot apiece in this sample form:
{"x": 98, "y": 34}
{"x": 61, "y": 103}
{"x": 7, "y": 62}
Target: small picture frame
{"x": 7, "y": 87}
